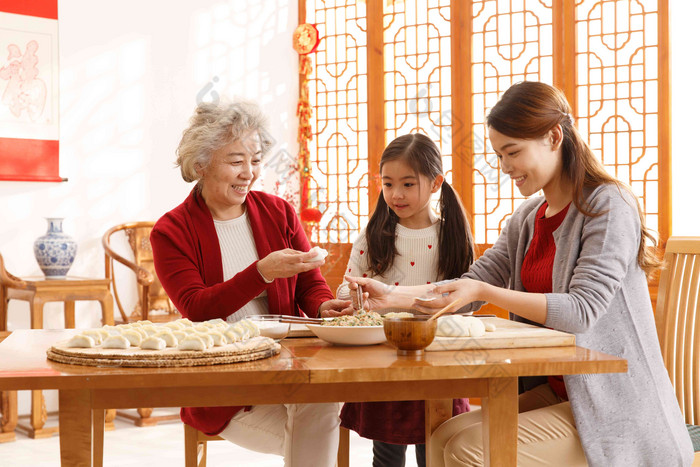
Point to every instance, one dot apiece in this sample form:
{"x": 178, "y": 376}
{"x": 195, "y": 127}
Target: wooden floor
{"x": 159, "y": 446}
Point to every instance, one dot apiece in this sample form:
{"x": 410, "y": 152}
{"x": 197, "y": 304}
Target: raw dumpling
{"x": 206, "y": 338}
{"x": 490, "y": 327}
{"x": 231, "y": 336}
{"x": 240, "y": 331}
{"x": 174, "y": 325}
{"x": 133, "y": 336}
{"x": 254, "y": 330}
{"x": 96, "y": 335}
{"x": 202, "y": 327}
{"x": 153, "y": 343}
{"x": 192, "y": 342}
{"x": 476, "y": 326}
{"x": 168, "y": 337}
{"x": 150, "y": 329}
{"x": 218, "y": 338}
{"x": 116, "y": 342}
{"x": 81, "y": 341}
{"x": 179, "y": 335}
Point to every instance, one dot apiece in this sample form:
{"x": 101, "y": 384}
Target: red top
{"x": 187, "y": 259}
{"x": 536, "y": 271}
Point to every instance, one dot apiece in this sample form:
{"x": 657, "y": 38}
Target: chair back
{"x": 678, "y": 322}
{"x": 151, "y": 294}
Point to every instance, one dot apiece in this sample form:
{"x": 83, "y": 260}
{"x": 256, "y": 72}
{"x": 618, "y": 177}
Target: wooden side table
{"x": 37, "y": 291}
{"x": 8, "y": 408}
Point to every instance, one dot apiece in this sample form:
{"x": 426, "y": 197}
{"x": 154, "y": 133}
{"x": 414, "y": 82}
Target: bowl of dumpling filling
{"x": 361, "y": 328}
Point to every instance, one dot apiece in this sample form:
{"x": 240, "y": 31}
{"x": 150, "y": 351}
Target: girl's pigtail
{"x": 381, "y": 238}
{"x": 456, "y": 242}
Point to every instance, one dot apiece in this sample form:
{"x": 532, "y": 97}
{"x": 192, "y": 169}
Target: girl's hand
{"x": 335, "y": 307}
{"x": 465, "y": 289}
{"x": 376, "y": 295}
{"x": 287, "y": 263}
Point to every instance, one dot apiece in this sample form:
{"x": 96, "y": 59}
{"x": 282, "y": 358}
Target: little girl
{"x": 405, "y": 243}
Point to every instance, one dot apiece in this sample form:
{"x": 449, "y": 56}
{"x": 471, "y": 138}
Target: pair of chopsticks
{"x": 300, "y": 319}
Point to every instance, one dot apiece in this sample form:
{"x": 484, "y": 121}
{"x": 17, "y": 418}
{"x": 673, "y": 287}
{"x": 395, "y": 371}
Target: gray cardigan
{"x": 600, "y": 294}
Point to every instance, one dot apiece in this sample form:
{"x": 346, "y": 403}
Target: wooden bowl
{"x": 410, "y": 335}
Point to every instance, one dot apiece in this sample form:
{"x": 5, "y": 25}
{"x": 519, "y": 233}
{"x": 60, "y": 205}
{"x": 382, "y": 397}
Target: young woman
{"x": 406, "y": 243}
{"x": 575, "y": 260}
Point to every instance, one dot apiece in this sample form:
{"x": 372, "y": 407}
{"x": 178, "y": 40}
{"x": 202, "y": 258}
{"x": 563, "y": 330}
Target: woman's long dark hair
{"x": 456, "y": 246}
{"x": 530, "y": 109}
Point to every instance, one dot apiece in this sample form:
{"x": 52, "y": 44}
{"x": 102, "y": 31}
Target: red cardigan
{"x": 187, "y": 259}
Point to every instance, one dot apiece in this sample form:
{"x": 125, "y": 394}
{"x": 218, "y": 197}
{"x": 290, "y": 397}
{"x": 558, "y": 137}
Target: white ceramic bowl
{"x": 349, "y": 335}
{"x": 270, "y": 326}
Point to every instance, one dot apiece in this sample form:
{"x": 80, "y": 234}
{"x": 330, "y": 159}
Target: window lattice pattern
{"x": 417, "y": 72}
{"x": 617, "y": 91}
{"x": 338, "y": 94}
{"x": 511, "y": 43}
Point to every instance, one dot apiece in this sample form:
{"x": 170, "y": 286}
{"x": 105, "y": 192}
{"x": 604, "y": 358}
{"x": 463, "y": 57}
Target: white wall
{"x": 131, "y": 72}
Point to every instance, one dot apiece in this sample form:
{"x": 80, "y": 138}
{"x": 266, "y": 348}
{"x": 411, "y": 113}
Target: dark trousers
{"x": 394, "y": 455}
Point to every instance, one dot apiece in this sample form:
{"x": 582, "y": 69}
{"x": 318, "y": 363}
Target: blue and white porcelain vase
{"x": 55, "y": 251}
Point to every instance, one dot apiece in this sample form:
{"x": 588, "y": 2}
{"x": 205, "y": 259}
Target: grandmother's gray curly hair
{"x": 213, "y": 126}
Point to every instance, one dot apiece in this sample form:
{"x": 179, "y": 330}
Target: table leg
{"x": 69, "y": 314}
{"x": 500, "y": 422}
{"x": 109, "y": 419}
{"x": 107, "y": 304}
{"x": 75, "y": 422}
{"x": 3, "y": 308}
{"x": 8, "y": 421}
{"x": 436, "y": 412}
{"x": 98, "y": 436}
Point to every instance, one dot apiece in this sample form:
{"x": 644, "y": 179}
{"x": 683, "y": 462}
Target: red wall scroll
{"x": 29, "y": 90}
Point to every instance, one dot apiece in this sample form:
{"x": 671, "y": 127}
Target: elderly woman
{"x": 229, "y": 252}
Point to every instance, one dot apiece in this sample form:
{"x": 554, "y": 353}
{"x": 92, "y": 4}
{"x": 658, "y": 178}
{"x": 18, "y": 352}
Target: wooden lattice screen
{"x": 385, "y": 68}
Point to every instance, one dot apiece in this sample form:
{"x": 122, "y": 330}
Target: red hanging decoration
{"x": 305, "y": 41}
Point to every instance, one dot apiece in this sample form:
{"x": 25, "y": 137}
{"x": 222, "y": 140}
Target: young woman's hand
{"x": 465, "y": 289}
{"x": 335, "y": 307}
{"x": 287, "y": 263}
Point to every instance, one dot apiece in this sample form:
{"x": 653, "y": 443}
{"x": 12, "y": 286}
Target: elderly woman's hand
{"x": 335, "y": 307}
{"x": 287, "y": 263}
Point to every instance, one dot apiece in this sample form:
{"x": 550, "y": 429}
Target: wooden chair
{"x": 153, "y": 303}
{"x": 678, "y": 325}
{"x": 196, "y": 447}
{"x": 151, "y": 295}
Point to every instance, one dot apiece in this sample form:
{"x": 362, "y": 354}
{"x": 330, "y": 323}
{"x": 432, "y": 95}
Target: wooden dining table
{"x": 307, "y": 370}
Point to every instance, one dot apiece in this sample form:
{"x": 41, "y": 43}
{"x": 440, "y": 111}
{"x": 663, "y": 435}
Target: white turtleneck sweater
{"x": 416, "y": 262}
{"x": 237, "y": 253}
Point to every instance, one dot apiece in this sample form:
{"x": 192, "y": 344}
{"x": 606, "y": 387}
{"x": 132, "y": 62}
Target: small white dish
{"x": 349, "y": 335}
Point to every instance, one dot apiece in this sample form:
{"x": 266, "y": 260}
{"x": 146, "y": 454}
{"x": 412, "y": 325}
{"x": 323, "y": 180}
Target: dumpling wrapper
{"x": 133, "y": 336}
{"x": 192, "y": 342}
{"x": 153, "y": 343}
{"x": 116, "y": 342}
{"x": 81, "y": 341}
{"x": 460, "y": 326}
{"x": 168, "y": 337}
